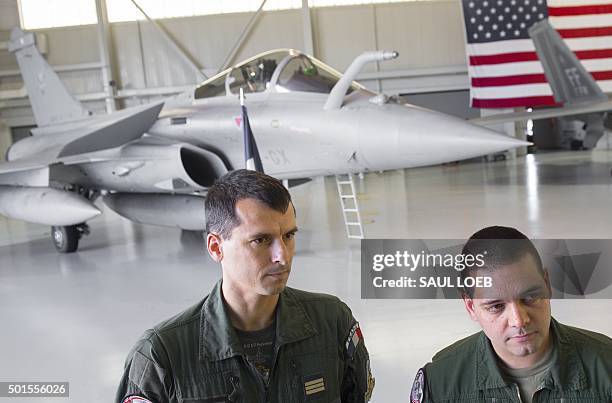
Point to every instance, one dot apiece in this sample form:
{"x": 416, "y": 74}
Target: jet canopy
{"x": 285, "y": 70}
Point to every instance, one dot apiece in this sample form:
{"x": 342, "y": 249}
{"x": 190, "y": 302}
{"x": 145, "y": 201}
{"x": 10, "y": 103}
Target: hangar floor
{"x": 74, "y": 317}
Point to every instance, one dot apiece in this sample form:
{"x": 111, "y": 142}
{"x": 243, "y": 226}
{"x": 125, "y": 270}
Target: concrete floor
{"x": 74, "y": 317}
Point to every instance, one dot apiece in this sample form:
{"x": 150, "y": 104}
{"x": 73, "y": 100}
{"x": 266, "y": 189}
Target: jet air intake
{"x": 336, "y": 96}
{"x": 44, "y": 205}
{"x": 153, "y": 168}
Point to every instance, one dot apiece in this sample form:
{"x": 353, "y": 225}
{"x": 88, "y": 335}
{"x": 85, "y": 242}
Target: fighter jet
{"x": 572, "y": 85}
{"x": 153, "y": 165}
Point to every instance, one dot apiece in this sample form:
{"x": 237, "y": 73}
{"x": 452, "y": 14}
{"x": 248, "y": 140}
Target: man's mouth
{"x": 278, "y": 273}
{"x": 521, "y": 338}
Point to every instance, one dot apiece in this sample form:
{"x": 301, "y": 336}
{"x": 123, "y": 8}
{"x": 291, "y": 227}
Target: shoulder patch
{"x": 136, "y": 399}
{"x": 353, "y": 340}
{"x": 417, "y": 394}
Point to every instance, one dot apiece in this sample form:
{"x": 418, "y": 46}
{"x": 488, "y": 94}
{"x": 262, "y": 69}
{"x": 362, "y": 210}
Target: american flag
{"x": 503, "y": 65}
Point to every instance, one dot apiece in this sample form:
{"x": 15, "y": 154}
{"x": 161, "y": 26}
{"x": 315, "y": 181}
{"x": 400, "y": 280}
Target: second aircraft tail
{"x": 570, "y": 82}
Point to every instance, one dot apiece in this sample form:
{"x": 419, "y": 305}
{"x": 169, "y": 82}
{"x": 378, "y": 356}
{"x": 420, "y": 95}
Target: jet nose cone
{"x": 445, "y": 138}
{"x": 486, "y": 140}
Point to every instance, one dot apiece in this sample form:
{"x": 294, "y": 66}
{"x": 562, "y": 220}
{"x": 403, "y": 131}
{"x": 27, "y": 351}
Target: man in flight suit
{"x": 521, "y": 355}
{"x": 252, "y": 339}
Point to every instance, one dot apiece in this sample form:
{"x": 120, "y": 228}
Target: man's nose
{"x": 280, "y": 253}
{"x": 517, "y": 315}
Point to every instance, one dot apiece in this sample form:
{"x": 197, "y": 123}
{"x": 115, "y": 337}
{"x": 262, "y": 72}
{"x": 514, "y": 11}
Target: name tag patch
{"x": 314, "y": 385}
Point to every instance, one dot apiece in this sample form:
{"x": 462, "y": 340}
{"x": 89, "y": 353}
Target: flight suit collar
{"x": 565, "y": 374}
{"x": 568, "y": 372}
{"x": 219, "y": 341}
{"x": 487, "y": 372}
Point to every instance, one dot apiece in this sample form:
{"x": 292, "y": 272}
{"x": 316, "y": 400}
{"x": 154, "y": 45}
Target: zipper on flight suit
{"x": 259, "y": 379}
{"x": 518, "y": 392}
{"x": 266, "y": 384}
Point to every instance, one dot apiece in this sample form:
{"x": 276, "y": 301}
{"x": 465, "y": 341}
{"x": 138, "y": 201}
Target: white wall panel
{"x": 127, "y": 53}
{"x": 72, "y": 45}
{"x": 9, "y": 15}
{"x": 343, "y": 33}
{"x": 426, "y": 34}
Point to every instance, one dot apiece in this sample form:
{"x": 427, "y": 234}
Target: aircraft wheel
{"x": 65, "y": 239}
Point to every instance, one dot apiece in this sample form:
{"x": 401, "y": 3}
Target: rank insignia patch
{"x": 314, "y": 385}
{"x": 353, "y": 340}
{"x": 417, "y": 394}
{"x": 136, "y": 399}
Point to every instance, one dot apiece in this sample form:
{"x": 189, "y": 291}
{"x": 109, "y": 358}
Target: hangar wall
{"x": 431, "y": 58}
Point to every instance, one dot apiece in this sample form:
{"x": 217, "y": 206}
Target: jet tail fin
{"x": 570, "y": 82}
{"x": 51, "y": 101}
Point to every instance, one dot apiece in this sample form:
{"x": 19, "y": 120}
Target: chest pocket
{"x": 219, "y": 382}
{"x": 316, "y": 376}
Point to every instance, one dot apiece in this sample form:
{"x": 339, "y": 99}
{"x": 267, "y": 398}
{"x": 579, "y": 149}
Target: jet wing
{"x": 544, "y": 113}
{"x": 76, "y": 144}
{"x": 115, "y": 134}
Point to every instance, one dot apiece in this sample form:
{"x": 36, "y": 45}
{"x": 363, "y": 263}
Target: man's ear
{"x": 469, "y": 306}
{"x": 213, "y": 245}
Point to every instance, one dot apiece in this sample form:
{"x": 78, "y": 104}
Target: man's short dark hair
{"x": 500, "y": 246}
{"x": 220, "y": 207}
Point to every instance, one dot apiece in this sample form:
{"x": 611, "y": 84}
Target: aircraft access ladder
{"x": 349, "y": 205}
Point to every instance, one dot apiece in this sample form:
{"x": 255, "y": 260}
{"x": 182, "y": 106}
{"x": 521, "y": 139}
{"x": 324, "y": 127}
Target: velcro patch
{"x": 136, "y": 399}
{"x": 314, "y": 384}
{"x": 417, "y": 394}
{"x": 353, "y": 340}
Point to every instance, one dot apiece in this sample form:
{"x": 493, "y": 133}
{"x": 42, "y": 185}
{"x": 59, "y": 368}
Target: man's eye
{"x": 259, "y": 241}
{"x": 290, "y": 235}
{"x": 530, "y": 300}
{"x": 495, "y": 308}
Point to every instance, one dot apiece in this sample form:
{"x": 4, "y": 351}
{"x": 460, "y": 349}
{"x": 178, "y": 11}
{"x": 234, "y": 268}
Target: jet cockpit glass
{"x": 213, "y": 87}
{"x": 307, "y": 75}
{"x": 255, "y": 75}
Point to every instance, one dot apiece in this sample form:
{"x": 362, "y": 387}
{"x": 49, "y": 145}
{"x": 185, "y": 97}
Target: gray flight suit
{"x": 196, "y": 356}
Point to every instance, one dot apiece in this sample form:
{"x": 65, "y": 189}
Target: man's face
{"x": 257, "y": 256}
{"x": 515, "y": 312}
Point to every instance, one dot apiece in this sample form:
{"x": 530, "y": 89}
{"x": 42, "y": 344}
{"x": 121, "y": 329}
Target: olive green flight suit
{"x": 467, "y": 371}
{"x": 196, "y": 356}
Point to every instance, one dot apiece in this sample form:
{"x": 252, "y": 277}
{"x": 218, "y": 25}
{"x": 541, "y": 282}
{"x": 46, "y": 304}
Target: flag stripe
{"x": 503, "y": 58}
{"x": 526, "y": 90}
{"x": 526, "y": 45}
{"x": 579, "y": 10}
{"x": 572, "y": 3}
{"x": 527, "y": 79}
{"x": 513, "y": 102}
{"x": 584, "y": 32}
{"x": 508, "y": 80}
{"x": 533, "y": 56}
{"x": 581, "y": 21}
{"x": 605, "y": 85}
{"x": 515, "y": 69}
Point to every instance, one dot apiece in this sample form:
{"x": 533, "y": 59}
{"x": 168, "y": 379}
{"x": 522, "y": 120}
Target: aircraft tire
{"x": 65, "y": 239}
